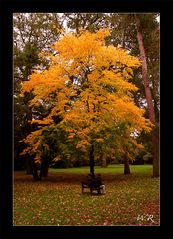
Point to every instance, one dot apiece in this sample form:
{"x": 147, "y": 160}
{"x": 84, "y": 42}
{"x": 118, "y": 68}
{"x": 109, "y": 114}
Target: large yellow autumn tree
{"x": 87, "y": 88}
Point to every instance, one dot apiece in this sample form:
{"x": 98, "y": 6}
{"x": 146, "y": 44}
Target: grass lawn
{"x": 111, "y": 169}
{"x": 57, "y": 200}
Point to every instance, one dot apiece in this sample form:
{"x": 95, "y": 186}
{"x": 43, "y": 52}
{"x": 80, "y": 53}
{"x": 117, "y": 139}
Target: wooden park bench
{"x": 94, "y": 184}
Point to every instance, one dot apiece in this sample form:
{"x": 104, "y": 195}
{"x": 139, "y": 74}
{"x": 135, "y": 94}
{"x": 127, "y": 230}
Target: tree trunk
{"x": 126, "y": 165}
{"x": 156, "y": 99}
{"x": 155, "y": 151}
{"x": 35, "y": 172}
{"x": 29, "y": 166}
{"x": 44, "y": 169}
{"x": 92, "y": 160}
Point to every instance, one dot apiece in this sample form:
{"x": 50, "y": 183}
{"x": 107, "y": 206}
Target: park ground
{"x": 57, "y": 200}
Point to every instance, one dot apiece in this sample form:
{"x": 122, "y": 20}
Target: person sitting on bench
{"x": 94, "y": 183}
{"x": 100, "y": 183}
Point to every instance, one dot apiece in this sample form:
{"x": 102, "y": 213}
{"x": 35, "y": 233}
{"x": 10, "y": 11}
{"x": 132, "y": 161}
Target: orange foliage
{"x": 92, "y": 92}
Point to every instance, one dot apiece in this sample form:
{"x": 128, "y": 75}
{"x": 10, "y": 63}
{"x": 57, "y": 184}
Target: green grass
{"x": 57, "y": 200}
{"x": 111, "y": 169}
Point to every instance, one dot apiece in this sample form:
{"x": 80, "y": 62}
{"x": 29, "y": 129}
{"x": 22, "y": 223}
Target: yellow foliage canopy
{"x": 91, "y": 87}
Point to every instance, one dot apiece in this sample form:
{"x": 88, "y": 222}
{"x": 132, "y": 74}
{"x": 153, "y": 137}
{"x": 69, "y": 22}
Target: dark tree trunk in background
{"x": 155, "y": 152}
{"x": 92, "y": 160}
{"x": 29, "y": 166}
{"x": 126, "y": 165}
{"x": 155, "y": 134}
{"x": 35, "y": 172}
{"x": 44, "y": 169}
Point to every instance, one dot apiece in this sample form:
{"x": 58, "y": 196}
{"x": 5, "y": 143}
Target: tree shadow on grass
{"x": 58, "y": 177}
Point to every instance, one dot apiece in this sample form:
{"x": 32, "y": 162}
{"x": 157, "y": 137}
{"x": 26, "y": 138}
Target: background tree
{"x": 32, "y": 33}
{"x": 155, "y": 133}
{"x": 88, "y": 21}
